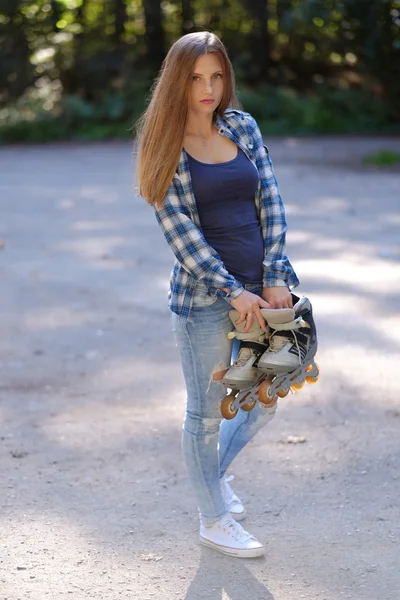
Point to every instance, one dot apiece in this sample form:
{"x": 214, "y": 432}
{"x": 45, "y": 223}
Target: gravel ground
{"x": 95, "y": 499}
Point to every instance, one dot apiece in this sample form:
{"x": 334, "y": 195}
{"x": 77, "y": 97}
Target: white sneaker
{"x": 232, "y": 502}
{"x": 229, "y": 537}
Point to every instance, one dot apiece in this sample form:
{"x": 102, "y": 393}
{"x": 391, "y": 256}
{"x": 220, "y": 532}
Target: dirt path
{"x": 94, "y": 497}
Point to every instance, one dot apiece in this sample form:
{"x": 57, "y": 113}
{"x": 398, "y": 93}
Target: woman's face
{"x": 207, "y": 84}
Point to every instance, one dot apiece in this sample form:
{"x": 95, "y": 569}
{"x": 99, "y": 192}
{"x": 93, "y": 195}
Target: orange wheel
{"x": 282, "y": 393}
{"x": 249, "y": 405}
{"x": 312, "y": 378}
{"x": 227, "y": 409}
{"x": 297, "y": 386}
{"x": 263, "y": 394}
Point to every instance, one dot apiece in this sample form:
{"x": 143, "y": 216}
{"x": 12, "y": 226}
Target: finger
{"x": 260, "y": 318}
{"x": 263, "y": 303}
{"x": 288, "y": 302}
{"x": 249, "y": 321}
{"x": 241, "y": 318}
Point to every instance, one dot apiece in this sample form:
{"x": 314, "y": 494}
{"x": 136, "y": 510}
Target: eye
{"x": 218, "y": 75}
{"x": 196, "y": 78}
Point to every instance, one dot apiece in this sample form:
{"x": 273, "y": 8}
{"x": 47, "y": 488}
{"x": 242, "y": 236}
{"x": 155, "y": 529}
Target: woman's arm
{"x": 190, "y": 247}
{"x": 276, "y": 266}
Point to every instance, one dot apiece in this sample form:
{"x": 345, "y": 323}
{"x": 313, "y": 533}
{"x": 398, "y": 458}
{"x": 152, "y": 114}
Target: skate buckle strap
{"x": 255, "y": 336}
{"x": 296, "y": 324}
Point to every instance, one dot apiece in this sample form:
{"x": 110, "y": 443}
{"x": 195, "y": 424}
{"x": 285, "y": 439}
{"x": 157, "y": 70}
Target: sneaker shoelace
{"x": 236, "y": 531}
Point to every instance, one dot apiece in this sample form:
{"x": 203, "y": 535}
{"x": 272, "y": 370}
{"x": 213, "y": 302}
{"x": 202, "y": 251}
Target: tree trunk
{"x": 187, "y": 17}
{"x": 154, "y": 32}
{"x": 120, "y": 18}
{"x": 260, "y": 42}
{"x": 16, "y": 71}
{"x": 56, "y": 11}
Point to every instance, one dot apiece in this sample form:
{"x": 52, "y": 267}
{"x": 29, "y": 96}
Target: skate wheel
{"x": 297, "y": 386}
{"x": 249, "y": 405}
{"x": 263, "y": 395}
{"x": 312, "y": 378}
{"x": 227, "y": 409}
{"x": 282, "y": 393}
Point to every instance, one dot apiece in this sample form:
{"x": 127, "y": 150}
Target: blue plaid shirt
{"x": 195, "y": 260}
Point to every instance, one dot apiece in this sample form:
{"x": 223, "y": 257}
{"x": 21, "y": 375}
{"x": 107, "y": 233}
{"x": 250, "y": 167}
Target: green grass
{"x": 385, "y": 158}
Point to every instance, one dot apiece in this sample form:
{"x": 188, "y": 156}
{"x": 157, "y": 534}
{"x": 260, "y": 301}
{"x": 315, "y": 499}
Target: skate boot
{"x": 290, "y": 340}
{"x": 292, "y": 347}
{"x": 244, "y": 372}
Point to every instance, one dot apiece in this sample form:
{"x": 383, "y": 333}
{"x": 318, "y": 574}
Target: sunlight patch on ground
{"x": 332, "y": 203}
{"x": 300, "y": 237}
{"x": 98, "y": 195}
{"x": 388, "y": 326}
{"x": 364, "y": 367}
{"x": 319, "y": 206}
{"x": 340, "y": 304}
{"x": 354, "y": 270}
{"x": 36, "y": 320}
{"x": 330, "y": 244}
{"x": 356, "y": 310}
{"x": 162, "y": 283}
{"x": 65, "y": 204}
{"x": 132, "y": 371}
{"x": 95, "y": 225}
{"x": 94, "y": 247}
{"x": 391, "y": 218}
{"x": 111, "y": 423}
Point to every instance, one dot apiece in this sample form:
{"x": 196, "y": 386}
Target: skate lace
{"x": 277, "y": 342}
{"x": 236, "y": 531}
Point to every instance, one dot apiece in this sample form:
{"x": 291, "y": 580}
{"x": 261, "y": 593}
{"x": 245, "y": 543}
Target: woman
{"x": 203, "y": 166}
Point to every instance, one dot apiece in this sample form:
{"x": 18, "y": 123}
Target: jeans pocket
{"x": 202, "y": 297}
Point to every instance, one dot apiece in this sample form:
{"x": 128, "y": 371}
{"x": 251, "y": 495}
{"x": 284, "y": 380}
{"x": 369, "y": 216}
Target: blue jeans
{"x": 209, "y": 442}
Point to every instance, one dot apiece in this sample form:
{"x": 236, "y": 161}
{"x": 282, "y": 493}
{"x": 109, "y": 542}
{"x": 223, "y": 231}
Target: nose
{"x": 208, "y": 86}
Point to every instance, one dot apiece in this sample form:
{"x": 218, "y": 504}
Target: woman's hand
{"x": 278, "y": 297}
{"x": 248, "y": 305}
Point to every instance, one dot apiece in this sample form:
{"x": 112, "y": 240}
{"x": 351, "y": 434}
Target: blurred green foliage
{"x": 84, "y": 68}
{"x": 386, "y": 158}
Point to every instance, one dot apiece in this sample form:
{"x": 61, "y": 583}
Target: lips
{"x": 210, "y": 101}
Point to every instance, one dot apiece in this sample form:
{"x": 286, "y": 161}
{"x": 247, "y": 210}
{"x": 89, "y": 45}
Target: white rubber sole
{"x": 238, "y": 516}
{"x": 237, "y": 552}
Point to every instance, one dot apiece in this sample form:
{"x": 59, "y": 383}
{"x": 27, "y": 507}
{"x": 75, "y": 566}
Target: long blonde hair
{"x": 161, "y": 128}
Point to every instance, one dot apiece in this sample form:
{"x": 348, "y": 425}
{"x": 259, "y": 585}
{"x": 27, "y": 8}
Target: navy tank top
{"x": 224, "y": 195}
